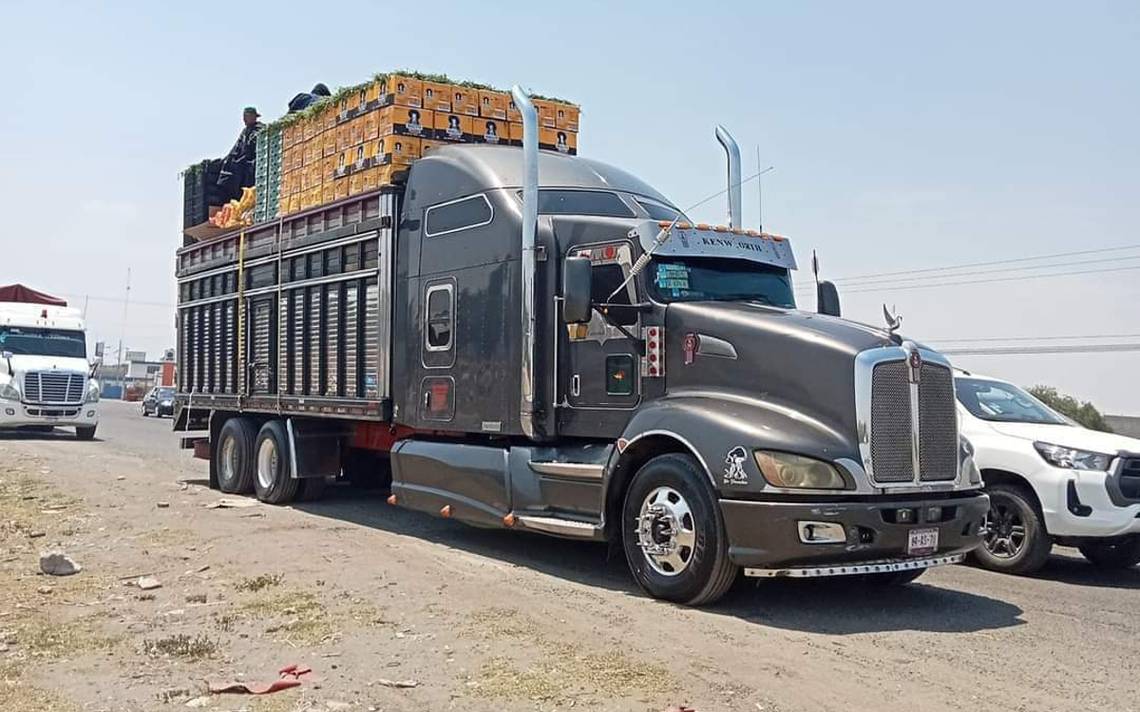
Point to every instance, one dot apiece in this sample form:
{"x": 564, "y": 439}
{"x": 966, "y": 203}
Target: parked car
{"x": 159, "y": 401}
{"x": 1050, "y": 480}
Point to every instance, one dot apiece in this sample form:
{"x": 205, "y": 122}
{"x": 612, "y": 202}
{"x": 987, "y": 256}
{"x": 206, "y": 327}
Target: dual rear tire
{"x": 252, "y": 460}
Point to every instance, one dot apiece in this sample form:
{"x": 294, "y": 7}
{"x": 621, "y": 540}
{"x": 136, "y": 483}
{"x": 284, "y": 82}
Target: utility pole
{"x": 126, "y": 303}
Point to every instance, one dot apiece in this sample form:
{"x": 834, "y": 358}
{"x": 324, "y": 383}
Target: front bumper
{"x": 18, "y": 415}
{"x": 1084, "y": 503}
{"x": 164, "y": 409}
{"x": 764, "y": 537}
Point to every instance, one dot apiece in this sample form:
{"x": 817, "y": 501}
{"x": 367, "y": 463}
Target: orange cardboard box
{"x": 558, "y": 140}
{"x": 307, "y": 129}
{"x": 464, "y": 100}
{"x": 428, "y": 145}
{"x": 358, "y": 154}
{"x": 328, "y": 167}
{"x": 493, "y": 104}
{"x": 294, "y": 203}
{"x": 452, "y": 127}
{"x": 315, "y": 196}
{"x": 566, "y": 117}
{"x": 356, "y": 131}
{"x": 437, "y": 96}
{"x": 355, "y": 184}
{"x": 513, "y": 113}
{"x": 329, "y": 142}
{"x": 368, "y": 179}
{"x": 485, "y": 130}
{"x": 287, "y": 137}
{"x": 342, "y": 136}
{"x": 401, "y": 90}
{"x": 359, "y": 100}
{"x": 343, "y": 163}
{"x": 547, "y": 113}
{"x": 340, "y": 188}
{"x": 328, "y": 115}
{"x": 397, "y": 150}
{"x": 371, "y": 125}
{"x": 405, "y": 121}
{"x": 516, "y": 132}
{"x": 328, "y": 192}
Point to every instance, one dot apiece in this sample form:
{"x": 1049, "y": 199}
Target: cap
{"x": 250, "y": 110}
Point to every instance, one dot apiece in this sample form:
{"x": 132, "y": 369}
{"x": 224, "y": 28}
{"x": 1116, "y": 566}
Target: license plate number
{"x": 922, "y": 541}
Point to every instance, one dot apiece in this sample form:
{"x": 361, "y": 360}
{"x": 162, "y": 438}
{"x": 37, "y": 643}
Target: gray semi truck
{"x": 523, "y": 339}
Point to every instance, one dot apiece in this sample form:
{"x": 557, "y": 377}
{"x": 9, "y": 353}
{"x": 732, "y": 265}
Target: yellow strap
{"x": 242, "y": 370}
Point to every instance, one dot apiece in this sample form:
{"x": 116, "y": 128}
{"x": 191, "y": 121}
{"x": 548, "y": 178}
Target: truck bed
{"x": 292, "y": 316}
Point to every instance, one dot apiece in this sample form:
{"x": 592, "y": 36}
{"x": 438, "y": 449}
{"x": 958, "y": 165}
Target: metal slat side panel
{"x": 219, "y": 349}
{"x": 259, "y": 347}
{"x": 183, "y": 350}
{"x": 297, "y": 322}
{"x": 350, "y": 340}
{"x": 284, "y": 330}
{"x": 323, "y": 342}
{"x": 332, "y": 317}
{"x": 192, "y": 360}
{"x": 314, "y": 340}
{"x": 208, "y": 348}
{"x": 231, "y": 345}
{"x": 371, "y": 340}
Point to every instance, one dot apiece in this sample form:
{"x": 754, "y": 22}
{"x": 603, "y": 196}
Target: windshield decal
{"x": 672, "y": 276}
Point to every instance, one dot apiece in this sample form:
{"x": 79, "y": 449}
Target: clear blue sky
{"x": 905, "y": 135}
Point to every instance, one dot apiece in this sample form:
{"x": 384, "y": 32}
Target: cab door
{"x": 601, "y": 377}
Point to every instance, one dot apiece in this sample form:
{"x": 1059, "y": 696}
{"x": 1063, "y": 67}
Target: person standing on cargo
{"x": 237, "y": 168}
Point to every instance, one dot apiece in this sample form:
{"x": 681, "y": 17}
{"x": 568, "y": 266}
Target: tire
{"x": 891, "y": 578}
{"x": 311, "y": 489}
{"x": 1113, "y": 554}
{"x": 694, "y": 574}
{"x": 84, "y": 432}
{"x": 273, "y": 482}
{"x": 234, "y": 467}
{"x": 144, "y": 412}
{"x": 1012, "y": 511}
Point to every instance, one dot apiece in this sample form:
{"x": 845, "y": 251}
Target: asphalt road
{"x": 1067, "y": 638}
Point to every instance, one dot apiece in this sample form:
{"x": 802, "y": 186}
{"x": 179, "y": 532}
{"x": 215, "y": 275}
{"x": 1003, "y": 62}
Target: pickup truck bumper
{"x": 20, "y": 415}
{"x": 775, "y": 538}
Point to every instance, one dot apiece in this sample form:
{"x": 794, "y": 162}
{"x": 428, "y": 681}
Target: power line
{"x": 1032, "y": 338}
{"x": 1000, "y": 270}
{"x": 1036, "y": 350}
{"x": 988, "y": 263}
{"x": 993, "y": 279}
{"x": 119, "y": 300}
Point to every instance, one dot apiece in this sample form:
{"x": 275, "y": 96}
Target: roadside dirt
{"x": 398, "y": 611}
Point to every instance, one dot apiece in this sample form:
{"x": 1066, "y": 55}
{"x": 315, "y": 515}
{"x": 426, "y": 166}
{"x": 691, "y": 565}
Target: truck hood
{"x": 799, "y": 360}
{"x": 23, "y": 363}
{"x": 1068, "y": 436}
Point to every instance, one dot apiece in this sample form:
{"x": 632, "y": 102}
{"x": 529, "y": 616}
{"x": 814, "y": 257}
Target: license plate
{"x": 922, "y": 541}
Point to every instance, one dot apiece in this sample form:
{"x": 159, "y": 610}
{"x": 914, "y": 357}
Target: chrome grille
{"x": 52, "y": 387}
{"x": 891, "y": 423}
{"x": 937, "y": 424}
{"x": 893, "y": 459}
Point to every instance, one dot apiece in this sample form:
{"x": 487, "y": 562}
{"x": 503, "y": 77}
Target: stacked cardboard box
{"x": 358, "y": 140}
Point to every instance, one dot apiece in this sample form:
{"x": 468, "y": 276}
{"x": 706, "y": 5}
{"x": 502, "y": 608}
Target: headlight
{"x": 9, "y": 391}
{"x": 783, "y": 469}
{"x": 92, "y": 392}
{"x": 1072, "y": 459}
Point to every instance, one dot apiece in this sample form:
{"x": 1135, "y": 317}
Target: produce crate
{"x": 195, "y": 209}
{"x": 267, "y": 174}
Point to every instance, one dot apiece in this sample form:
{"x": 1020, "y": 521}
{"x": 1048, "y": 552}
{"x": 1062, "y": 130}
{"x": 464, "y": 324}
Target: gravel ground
{"x": 371, "y": 597}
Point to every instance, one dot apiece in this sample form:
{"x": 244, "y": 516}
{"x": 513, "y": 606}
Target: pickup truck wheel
{"x": 85, "y": 433}
{"x": 673, "y": 534}
{"x": 1014, "y": 539}
{"x": 1119, "y": 553}
{"x": 274, "y": 483}
{"x": 233, "y": 457}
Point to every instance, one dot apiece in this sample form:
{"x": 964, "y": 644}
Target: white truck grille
{"x": 50, "y": 387}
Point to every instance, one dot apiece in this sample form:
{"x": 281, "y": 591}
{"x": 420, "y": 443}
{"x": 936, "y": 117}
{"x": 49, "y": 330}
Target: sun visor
{"x": 687, "y": 240}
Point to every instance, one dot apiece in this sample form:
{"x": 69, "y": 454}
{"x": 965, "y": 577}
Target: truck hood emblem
{"x": 893, "y": 320}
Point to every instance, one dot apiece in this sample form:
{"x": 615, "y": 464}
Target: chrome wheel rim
{"x": 229, "y": 459}
{"x": 1003, "y": 532}
{"x": 666, "y": 531}
{"x": 266, "y": 463}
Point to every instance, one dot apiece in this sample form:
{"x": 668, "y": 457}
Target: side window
{"x": 458, "y": 215}
{"x": 611, "y": 265}
{"x": 439, "y": 317}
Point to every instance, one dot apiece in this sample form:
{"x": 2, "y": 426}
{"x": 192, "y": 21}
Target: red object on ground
{"x": 20, "y": 293}
{"x": 290, "y": 677}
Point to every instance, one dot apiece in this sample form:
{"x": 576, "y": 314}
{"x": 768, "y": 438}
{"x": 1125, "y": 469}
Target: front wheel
{"x": 673, "y": 534}
{"x": 1014, "y": 539}
{"x": 1120, "y": 553}
{"x": 85, "y": 432}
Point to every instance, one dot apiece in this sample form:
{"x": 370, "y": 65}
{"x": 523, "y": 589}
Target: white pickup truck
{"x": 44, "y": 373}
{"x": 1049, "y": 480}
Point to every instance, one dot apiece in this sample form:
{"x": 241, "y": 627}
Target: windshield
{"x": 694, "y": 279}
{"x": 164, "y": 394}
{"x": 1003, "y": 403}
{"x": 43, "y": 342}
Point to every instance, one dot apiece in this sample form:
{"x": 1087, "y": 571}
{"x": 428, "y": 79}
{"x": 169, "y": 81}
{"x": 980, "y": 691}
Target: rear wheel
{"x": 1014, "y": 539}
{"x": 673, "y": 534}
{"x": 1118, "y": 553}
{"x": 274, "y": 483}
{"x": 84, "y": 432}
{"x": 233, "y": 456}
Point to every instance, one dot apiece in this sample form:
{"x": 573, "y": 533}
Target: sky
{"x": 905, "y": 136}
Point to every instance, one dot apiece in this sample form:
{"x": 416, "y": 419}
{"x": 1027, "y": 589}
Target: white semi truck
{"x": 45, "y": 378}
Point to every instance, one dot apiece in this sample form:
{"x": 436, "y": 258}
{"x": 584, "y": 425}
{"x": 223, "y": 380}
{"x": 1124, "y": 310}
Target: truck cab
{"x": 44, "y": 373}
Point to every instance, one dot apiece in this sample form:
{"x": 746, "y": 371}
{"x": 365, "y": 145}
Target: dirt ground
{"x": 395, "y": 610}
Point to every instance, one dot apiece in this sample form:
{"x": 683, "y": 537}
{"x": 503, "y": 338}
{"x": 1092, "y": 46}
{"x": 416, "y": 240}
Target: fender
{"x": 716, "y": 426}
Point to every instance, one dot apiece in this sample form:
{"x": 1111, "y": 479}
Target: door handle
{"x": 427, "y": 400}
{"x": 575, "y": 385}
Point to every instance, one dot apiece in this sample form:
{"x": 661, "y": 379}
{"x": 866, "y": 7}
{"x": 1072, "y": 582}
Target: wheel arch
{"x": 631, "y": 457}
{"x": 998, "y": 476}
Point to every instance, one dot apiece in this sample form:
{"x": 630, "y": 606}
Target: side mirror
{"x": 827, "y": 299}
{"x": 577, "y": 286}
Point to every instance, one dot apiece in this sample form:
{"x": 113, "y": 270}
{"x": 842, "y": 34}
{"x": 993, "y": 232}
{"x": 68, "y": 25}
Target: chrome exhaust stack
{"x": 733, "y": 153}
{"x": 529, "y": 229}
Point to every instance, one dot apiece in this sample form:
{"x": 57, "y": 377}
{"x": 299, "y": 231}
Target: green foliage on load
{"x": 1084, "y": 413}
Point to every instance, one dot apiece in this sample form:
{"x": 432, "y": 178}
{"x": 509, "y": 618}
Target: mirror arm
{"x": 604, "y": 313}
